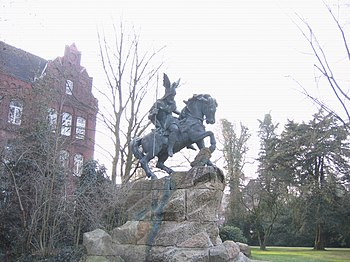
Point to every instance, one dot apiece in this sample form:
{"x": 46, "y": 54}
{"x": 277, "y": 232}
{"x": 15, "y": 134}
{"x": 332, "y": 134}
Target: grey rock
{"x": 245, "y": 249}
{"x": 98, "y": 243}
{"x": 169, "y": 219}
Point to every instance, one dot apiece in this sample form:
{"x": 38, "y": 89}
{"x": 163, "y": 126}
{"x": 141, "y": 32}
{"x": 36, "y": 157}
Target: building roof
{"x": 20, "y": 64}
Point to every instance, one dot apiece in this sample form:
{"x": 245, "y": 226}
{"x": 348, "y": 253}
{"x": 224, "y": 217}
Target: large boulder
{"x": 245, "y": 249}
{"x": 228, "y": 251}
{"x": 99, "y": 243}
{"x": 170, "y": 219}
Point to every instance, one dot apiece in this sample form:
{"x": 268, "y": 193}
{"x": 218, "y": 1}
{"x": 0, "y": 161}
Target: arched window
{"x": 52, "y": 118}
{"x": 9, "y": 154}
{"x": 78, "y": 164}
{"x": 64, "y": 159}
{"x": 69, "y": 87}
{"x": 80, "y": 128}
{"x": 66, "y": 125}
{"x": 15, "y": 112}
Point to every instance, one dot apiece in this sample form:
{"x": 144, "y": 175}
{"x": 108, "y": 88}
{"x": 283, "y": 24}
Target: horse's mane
{"x": 201, "y": 97}
{"x": 198, "y": 97}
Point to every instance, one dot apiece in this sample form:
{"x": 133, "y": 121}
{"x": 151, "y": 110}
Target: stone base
{"x": 170, "y": 219}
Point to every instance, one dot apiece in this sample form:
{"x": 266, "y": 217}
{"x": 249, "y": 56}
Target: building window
{"x": 64, "y": 159}
{"x": 69, "y": 87}
{"x": 52, "y": 119}
{"x": 15, "y": 112}
{"x": 80, "y": 128}
{"x": 78, "y": 164}
{"x": 66, "y": 126}
{"x": 9, "y": 154}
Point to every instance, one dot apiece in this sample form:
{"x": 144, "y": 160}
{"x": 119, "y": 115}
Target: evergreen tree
{"x": 264, "y": 196}
{"x": 316, "y": 156}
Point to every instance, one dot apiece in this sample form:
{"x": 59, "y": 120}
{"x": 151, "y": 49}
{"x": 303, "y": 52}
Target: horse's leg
{"x": 200, "y": 142}
{"x": 162, "y": 166}
{"x": 144, "y": 163}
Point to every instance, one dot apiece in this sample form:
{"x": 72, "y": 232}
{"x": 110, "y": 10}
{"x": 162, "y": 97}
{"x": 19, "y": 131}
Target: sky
{"x": 249, "y": 55}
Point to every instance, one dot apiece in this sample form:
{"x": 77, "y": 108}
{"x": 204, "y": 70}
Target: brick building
{"x": 65, "y": 91}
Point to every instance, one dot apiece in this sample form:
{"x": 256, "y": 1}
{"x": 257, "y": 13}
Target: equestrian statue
{"x": 173, "y": 133}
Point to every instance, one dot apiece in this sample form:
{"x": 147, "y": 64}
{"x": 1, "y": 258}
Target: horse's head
{"x": 201, "y": 107}
{"x": 209, "y": 108}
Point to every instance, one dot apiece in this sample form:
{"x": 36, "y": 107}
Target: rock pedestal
{"x": 172, "y": 219}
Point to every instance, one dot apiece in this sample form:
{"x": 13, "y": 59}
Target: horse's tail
{"x": 135, "y": 147}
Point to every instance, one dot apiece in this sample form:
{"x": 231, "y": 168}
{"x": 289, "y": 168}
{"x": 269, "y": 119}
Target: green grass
{"x": 301, "y": 254}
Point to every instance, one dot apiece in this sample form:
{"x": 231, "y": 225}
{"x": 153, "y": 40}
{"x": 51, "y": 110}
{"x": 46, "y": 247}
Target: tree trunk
{"x": 114, "y": 170}
{"x": 319, "y": 238}
{"x": 262, "y": 242}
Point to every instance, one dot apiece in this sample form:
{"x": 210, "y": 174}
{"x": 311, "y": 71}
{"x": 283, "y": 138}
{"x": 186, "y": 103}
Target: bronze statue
{"x": 173, "y": 134}
{"x": 161, "y": 113}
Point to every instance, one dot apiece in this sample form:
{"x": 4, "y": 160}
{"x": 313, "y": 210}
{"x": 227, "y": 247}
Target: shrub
{"x": 64, "y": 254}
{"x": 232, "y": 233}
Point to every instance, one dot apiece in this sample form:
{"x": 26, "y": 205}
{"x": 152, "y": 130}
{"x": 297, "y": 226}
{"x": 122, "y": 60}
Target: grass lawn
{"x": 301, "y": 254}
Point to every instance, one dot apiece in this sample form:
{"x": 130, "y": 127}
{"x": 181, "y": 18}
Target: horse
{"x": 192, "y": 130}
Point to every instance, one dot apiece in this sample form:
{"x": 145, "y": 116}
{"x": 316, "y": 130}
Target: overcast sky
{"x": 246, "y": 54}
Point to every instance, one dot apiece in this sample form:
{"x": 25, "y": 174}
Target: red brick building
{"x": 66, "y": 88}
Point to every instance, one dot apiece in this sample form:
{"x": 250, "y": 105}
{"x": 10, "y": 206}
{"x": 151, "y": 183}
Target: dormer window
{"x": 69, "y": 87}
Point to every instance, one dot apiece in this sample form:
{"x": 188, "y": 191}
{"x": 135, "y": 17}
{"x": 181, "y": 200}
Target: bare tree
{"x": 129, "y": 74}
{"x": 326, "y": 66}
{"x": 234, "y": 151}
{"x": 45, "y": 206}
{"x": 39, "y": 183}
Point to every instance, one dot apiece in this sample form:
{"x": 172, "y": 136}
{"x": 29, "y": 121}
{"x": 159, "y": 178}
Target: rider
{"x": 161, "y": 114}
